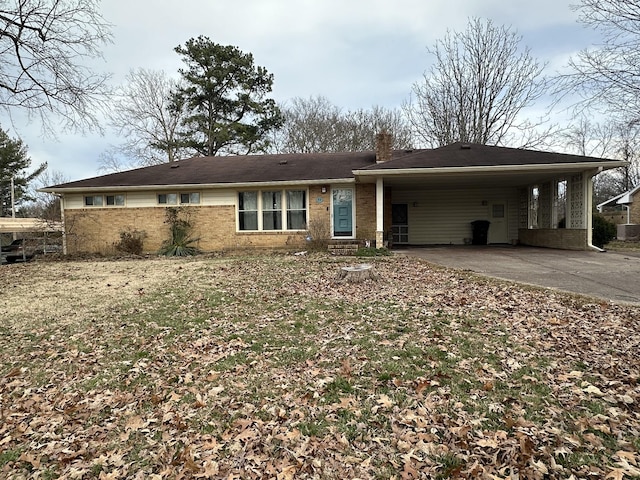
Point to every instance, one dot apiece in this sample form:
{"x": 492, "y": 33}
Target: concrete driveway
{"x": 609, "y": 275}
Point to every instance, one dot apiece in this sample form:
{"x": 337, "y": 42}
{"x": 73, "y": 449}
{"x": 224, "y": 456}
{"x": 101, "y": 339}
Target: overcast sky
{"x": 357, "y": 53}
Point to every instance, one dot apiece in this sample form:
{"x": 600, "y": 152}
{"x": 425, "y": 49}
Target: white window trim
{"x": 284, "y": 209}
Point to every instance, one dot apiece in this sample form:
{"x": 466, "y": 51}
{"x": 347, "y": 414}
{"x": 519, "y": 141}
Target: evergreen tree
{"x": 225, "y": 96}
{"x": 14, "y": 162}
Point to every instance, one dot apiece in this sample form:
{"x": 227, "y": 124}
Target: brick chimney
{"x": 384, "y": 142}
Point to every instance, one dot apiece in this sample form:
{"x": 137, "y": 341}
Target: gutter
{"x": 193, "y": 186}
{"x": 489, "y": 168}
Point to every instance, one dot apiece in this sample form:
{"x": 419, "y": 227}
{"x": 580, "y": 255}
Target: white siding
{"x": 73, "y": 200}
{"x": 219, "y": 197}
{"x": 445, "y": 216}
{"x": 140, "y": 199}
{"x": 149, "y": 198}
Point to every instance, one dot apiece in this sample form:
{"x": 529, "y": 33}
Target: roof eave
{"x": 192, "y": 186}
{"x": 492, "y": 168}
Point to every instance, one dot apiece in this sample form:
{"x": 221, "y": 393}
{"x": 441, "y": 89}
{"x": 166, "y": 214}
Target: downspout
{"x": 590, "y": 213}
{"x": 626, "y": 205}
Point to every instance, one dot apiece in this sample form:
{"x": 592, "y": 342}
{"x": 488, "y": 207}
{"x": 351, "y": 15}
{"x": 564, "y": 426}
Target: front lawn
{"x": 267, "y": 367}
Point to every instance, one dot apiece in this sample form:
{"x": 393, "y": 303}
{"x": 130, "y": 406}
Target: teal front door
{"x": 343, "y": 212}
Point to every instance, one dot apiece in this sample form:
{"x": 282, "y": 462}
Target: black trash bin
{"x": 480, "y": 230}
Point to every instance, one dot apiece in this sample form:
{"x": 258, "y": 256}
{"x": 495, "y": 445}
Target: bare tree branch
{"x": 607, "y": 76}
{"x": 477, "y": 88}
{"x": 44, "y": 48}
{"x": 146, "y": 119}
{"x": 316, "y": 125}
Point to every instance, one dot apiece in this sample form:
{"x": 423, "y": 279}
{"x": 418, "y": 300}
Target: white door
{"x": 498, "y": 229}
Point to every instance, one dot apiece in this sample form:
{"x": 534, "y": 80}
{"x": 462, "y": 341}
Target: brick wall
{"x": 366, "y": 211}
{"x": 97, "y": 230}
{"x": 563, "y": 238}
{"x": 615, "y": 217}
{"x": 620, "y": 217}
{"x": 319, "y": 203}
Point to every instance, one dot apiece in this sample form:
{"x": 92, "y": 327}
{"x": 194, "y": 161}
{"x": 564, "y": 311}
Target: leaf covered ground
{"x": 268, "y": 367}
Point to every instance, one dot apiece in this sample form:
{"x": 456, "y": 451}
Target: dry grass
{"x": 266, "y": 367}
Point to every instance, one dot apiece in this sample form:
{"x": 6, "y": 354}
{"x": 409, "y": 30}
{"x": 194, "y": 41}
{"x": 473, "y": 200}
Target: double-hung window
{"x": 270, "y": 210}
{"x": 296, "y": 210}
{"x": 248, "y": 210}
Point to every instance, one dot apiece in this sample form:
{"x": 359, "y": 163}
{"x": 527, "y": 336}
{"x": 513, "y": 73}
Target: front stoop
{"x": 343, "y": 247}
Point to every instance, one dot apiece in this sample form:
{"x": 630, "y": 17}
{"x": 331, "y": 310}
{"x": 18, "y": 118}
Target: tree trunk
{"x": 356, "y": 274}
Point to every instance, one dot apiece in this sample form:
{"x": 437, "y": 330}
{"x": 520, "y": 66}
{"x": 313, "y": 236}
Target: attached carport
{"x": 529, "y": 197}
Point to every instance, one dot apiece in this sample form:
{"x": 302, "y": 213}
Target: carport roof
{"x": 466, "y": 155}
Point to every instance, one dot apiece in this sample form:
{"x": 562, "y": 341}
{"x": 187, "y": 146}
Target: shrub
{"x": 181, "y": 243}
{"x": 131, "y": 242}
{"x": 603, "y": 231}
{"x": 318, "y": 234}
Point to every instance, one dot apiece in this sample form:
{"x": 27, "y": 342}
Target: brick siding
{"x": 563, "y": 238}
{"x": 366, "y": 211}
{"x": 97, "y": 230}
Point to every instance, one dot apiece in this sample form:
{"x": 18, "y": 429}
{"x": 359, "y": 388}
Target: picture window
{"x": 272, "y": 210}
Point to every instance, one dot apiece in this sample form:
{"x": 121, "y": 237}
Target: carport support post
{"x": 379, "y": 213}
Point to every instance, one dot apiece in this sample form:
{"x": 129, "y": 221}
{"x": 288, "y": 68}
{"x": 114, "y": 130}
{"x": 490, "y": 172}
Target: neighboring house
{"x": 413, "y": 197}
{"x": 622, "y": 209}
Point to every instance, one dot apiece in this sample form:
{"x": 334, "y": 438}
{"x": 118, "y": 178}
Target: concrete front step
{"x": 343, "y": 248}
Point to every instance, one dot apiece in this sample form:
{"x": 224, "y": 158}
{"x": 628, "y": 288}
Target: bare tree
{"x": 367, "y": 123}
{"x": 143, "y": 115}
{"x": 477, "y": 88}
{"x": 45, "y": 206}
{"x": 589, "y": 138}
{"x": 612, "y": 139}
{"x": 317, "y": 125}
{"x": 44, "y": 46}
{"x": 607, "y": 76}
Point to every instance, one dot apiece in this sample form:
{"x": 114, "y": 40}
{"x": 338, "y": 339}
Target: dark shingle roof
{"x": 236, "y": 169}
{"x": 460, "y": 154}
{"x": 248, "y": 169}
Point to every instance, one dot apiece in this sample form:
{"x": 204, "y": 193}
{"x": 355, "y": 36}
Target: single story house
{"x": 624, "y": 211}
{"x": 406, "y": 197}
{"x": 622, "y": 208}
